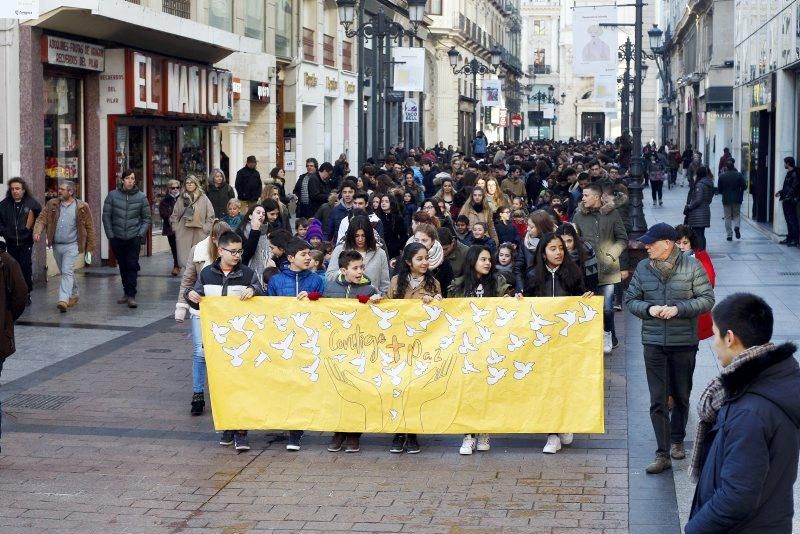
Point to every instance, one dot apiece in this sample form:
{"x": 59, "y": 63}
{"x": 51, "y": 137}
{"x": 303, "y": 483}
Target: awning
{"x": 719, "y": 98}
{"x": 125, "y": 23}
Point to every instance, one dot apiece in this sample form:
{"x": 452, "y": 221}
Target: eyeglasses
{"x": 237, "y": 252}
{"x": 174, "y": 187}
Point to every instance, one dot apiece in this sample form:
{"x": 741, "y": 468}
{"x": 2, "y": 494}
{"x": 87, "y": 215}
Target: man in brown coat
{"x": 67, "y": 223}
{"x": 13, "y": 297}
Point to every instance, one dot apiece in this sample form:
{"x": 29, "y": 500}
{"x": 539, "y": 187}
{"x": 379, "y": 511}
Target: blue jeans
{"x": 607, "y": 292}
{"x": 65, "y": 255}
{"x": 198, "y": 357}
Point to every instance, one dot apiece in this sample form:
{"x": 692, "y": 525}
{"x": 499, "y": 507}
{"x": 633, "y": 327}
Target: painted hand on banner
{"x": 427, "y": 388}
{"x": 355, "y": 389}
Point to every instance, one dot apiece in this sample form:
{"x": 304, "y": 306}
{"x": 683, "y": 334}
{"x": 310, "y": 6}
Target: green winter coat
{"x": 604, "y": 230}
{"x": 126, "y": 214}
{"x": 687, "y": 288}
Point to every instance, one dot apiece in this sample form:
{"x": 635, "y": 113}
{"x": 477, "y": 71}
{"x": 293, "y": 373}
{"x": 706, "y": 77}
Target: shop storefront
{"x": 160, "y": 117}
{"x": 66, "y": 65}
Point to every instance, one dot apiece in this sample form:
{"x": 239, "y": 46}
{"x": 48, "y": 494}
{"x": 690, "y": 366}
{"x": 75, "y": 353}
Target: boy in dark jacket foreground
{"x": 748, "y": 436}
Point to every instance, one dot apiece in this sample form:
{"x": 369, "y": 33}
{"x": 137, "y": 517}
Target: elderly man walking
{"x": 67, "y": 224}
{"x": 668, "y": 292}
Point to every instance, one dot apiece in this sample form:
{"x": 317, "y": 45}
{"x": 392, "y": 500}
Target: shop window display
{"x": 163, "y": 170}
{"x": 63, "y": 133}
{"x": 194, "y": 152}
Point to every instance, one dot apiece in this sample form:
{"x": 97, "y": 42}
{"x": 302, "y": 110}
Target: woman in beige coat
{"x": 477, "y": 210}
{"x": 191, "y": 218}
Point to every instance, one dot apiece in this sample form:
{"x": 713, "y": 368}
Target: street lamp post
{"x": 661, "y": 51}
{"x": 474, "y": 68}
{"x": 382, "y": 30}
{"x": 540, "y": 97}
{"x": 556, "y": 103}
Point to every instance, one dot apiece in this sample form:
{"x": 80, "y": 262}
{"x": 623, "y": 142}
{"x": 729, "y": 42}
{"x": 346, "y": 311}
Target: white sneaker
{"x": 566, "y": 439}
{"x": 607, "y": 348}
{"x": 553, "y": 444}
{"x": 468, "y": 445}
{"x": 483, "y": 442}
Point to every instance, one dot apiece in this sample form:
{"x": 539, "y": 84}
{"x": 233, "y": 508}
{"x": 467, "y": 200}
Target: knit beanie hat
{"x": 314, "y": 230}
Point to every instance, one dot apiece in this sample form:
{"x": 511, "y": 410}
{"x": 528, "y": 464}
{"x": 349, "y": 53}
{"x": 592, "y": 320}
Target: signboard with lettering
{"x": 112, "y": 83}
{"x": 161, "y": 86}
{"x": 75, "y": 54}
{"x": 259, "y": 92}
{"x": 410, "y": 110}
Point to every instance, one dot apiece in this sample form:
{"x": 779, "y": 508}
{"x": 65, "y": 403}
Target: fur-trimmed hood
{"x": 775, "y": 376}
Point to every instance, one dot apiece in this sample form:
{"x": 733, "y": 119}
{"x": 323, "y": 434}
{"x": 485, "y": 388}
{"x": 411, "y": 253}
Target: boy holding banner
{"x": 350, "y": 283}
{"x": 296, "y": 279}
{"x": 226, "y": 276}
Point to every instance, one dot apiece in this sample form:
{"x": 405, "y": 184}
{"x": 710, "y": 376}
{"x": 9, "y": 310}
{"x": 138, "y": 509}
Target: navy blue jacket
{"x": 751, "y": 451}
{"x": 289, "y": 283}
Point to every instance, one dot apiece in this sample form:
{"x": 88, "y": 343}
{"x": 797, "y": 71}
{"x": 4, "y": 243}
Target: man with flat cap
{"x": 668, "y": 292}
{"x": 248, "y": 184}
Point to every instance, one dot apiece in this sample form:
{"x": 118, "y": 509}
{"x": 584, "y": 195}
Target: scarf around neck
{"x": 712, "y": 399}
{"x": 666, "y": 266}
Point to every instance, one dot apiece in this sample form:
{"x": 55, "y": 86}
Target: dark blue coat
{"x": 751, "y": 452}
{"x": 288, "y": 283}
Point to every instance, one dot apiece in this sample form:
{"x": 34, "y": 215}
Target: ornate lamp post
{"x": 381, "y": 30}
{"x": 661, "y": 45}
{"x": 474, "y": 68}
{"x": 540, "y": 97}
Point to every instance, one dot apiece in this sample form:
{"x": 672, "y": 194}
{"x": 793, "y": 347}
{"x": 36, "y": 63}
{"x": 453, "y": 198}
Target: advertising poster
{"x": 409, "y": 69}
{"x": 595, "y": 45}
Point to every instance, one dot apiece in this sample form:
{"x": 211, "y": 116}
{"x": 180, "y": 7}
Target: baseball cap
{"x": 659, "y": 232}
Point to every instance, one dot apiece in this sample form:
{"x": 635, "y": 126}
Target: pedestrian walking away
{"x": 67, "y": 225}
{"x": 668, "y": 292}
{"x": 126, "y": 220}
{"x": 698, "y": 205}
{"x": 18, "y": 213}
{"x": 746, "y": 449}
{"x": 731, "y": 186}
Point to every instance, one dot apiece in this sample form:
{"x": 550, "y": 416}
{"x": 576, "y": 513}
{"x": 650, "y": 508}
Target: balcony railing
{"x": 329, "y": 50}
{"x": 541, "y": 69}
{"x": 179, "y": 8}
{"x": 308, "y": 45}
{"x": 347, "y": 56}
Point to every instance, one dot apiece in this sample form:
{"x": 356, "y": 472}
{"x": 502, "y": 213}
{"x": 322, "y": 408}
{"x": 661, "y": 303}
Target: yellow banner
{"x": 495, "y": 365}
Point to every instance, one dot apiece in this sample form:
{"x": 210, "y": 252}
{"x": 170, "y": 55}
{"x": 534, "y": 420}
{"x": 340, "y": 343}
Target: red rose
{"x": 363, "y": 299}
{"x": 314, "y": 295}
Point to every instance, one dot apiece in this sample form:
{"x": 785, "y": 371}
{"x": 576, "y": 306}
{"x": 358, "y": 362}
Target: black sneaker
{"x": 227, "y": 438}
{"x": 240, "y": 441}
{"x": 614, "y": 342}
{"x": 398, "y": 443}
{"x": 198, "y": 403}
{"x": 412, "y": 447}
{"x": 337, "y": 442}
{"x": 738, "y": 233}
{"x": 294, "y": 440}
{"x": 351, "y": 444}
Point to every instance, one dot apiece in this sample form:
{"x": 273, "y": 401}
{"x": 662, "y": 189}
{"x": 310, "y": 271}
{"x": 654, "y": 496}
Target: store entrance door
{"x": 593, "y": 125}
{"x": 761, "y": 179}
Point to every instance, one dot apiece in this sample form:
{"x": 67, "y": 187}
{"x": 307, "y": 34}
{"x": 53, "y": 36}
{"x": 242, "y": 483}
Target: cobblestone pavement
{"x": 98, "y": 438}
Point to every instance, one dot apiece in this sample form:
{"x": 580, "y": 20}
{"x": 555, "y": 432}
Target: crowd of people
{"x": 542, "y": 219}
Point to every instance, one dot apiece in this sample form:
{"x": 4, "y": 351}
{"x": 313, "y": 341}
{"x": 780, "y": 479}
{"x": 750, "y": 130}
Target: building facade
{"x": 766, "y": 88}
{"x": 454, "y": 107}
{"x": 548, "y": 43}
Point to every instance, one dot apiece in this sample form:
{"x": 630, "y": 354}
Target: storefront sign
{"x": 516, "y": 120}
{"x": 310, "y": 80}
{"x": 74, "y": 54}
{"x": 410, "y": 110}
{"x": 259, "y": 92}
{"x": 503, "y": 117}
{"x": 236, "y": 88}
{"x": 112, "y": 84}
{"x": 349, "y": 88}
{"x": 162, "y": 86}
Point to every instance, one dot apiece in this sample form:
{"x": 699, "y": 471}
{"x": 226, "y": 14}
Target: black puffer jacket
{"x": 687, "y": 288}
{"x": 126, "y": 214}
{"x": 698, "y": 204}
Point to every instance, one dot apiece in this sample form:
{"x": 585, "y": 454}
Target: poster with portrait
{"x": 491, "y": 93}
{"x": 595, "y": 45}
{"x": 409, "y": 69}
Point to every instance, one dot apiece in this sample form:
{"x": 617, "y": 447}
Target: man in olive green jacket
{"x": 668, "y": 292}
{"x": 604, "y": 230}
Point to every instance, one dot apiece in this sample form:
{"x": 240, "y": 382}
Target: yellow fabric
{"x": 495, "y": 365}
